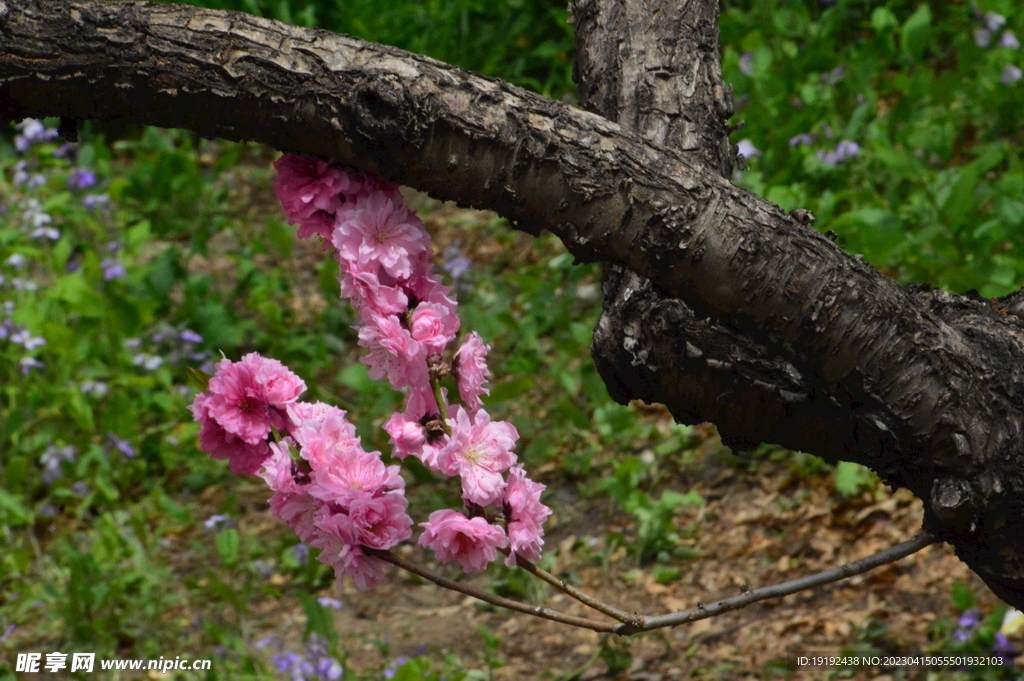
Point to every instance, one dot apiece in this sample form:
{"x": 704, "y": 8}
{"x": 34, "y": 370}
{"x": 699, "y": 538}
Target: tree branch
{"x": 635, "y": 623}
{"x": 946, "y": 372}
{"x": 857, "y": 567}
{"x": 500, "y": 601}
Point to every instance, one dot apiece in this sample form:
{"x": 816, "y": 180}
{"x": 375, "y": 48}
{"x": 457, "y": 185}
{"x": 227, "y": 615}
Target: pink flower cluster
{"x": 336, "y": 496}
{"x": 333, "y": 494}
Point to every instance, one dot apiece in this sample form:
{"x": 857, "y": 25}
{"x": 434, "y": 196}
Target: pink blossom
{"x": 335, "y": 537}
{"x": 345, "y": 479}
{"x": 526, "y": 516}
{"x": 453, "y": 536}
{"x": 279, "y": 470}
{"x": 314, "y": 412}
{"x": 420, "y": 401}
{"x": 324, "y": 441}
{"x": 427, "y": 287}
{"x": 479, "y": 451}
{"x": 408, "y": 436}
{"x": 311, "y": 192}
{"x": 471, "y": 372}
{"x": 280, "y": 386}
{"x": 237, "y": 402}
{"x": 434, "y": 326}
{"x": 377, "y": 229}
{"x": 367, "y": 286}
{"x": 249, "y": 396}
{"x": 393, "y": 351}
{"x": 244, "y": 458}
{"x": 380, "y": 522}
{"x": 297, "y": 510}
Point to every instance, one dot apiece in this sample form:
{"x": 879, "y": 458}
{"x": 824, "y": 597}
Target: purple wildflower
{"x": 833, "y": 76}
{"x": 264, "y": 567}
{"x": 329, "y": 602}
{"x": 301, "y": 553}
{"x": 993, "y": 21}
{"x": 112, "y": 268}
{"x": 51, "y": 233}
{"x": 1011, "y": 74}
{"x": 965, "y": 625}
{"x": 1004, "y": 648}
{"x": 390, "y": 672}
{"x": 1009, "y": 40}
{"x": 52, "y": 461}
{"x": 746, "y": 149}
{"x": 284, "y": 661}
{"x": 81, "y": 178}
{"x": 32, "y": 132}
{"x": 81, "y": 488}
{"x": 123, "y": 446}
{"x": 455, "y": 263}
{"x": 191, "y": 336}
{"x": 16, "y": 260}
{"x": 98, "y": 388}
{"x": 747, "y": 63}
{"x": 215, "y": 521}
{"x": 95, "y": 200}
{"x": 27, "y": 364}
{"x": 7, "y": 634}
{"x": 802, "y": 138}
{"x": 844, "y": 150}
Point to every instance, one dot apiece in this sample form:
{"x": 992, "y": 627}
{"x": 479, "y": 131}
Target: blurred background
{"x": 137, "y": 254}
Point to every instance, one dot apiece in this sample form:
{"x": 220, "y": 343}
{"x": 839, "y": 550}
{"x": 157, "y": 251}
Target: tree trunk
{"x": 921, "y": 386}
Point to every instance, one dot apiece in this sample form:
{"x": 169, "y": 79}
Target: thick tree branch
{"x": 655, "y": 69}
{"x": 946, "y": 373}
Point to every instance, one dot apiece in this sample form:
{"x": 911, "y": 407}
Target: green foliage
{"x": 656, "y": 535}
{"x": 851, "y": 478}
{"x": 933, "y": 194}
{"x": 526, "y": 42}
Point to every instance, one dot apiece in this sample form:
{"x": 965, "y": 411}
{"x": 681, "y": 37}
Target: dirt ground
{"x": 758, "y": 528}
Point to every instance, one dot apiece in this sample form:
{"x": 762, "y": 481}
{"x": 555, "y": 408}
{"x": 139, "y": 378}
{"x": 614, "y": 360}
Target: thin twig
{"x": 633, "y": 624}
{"x": 568, "y": 589}
{"x": 500, "y": 601}
{"x": 857, "y": 567}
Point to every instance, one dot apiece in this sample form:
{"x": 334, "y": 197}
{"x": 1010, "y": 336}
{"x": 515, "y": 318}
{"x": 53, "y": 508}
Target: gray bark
{"x": 924, "y": 386}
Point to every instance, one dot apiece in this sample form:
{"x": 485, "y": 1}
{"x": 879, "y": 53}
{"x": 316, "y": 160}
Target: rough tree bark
{"x": 923, "y": 387}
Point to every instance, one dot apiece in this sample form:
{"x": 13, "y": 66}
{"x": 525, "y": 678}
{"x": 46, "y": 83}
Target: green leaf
{"x": 228, "y": 546}
{"x": 281, "y": 238}
{"x": 671, "y": 499}
{"x": 16, "y": 473}
{"x": 666, "y": 574}
{"x": 963, "y": 597}
{"x": 916, "y": 32}
{"x": 883, "y": 20}
{"x": 80, "y": 296}
{"x": 850, "y": 477}
{"x": 13, "y": 510}
{"x": 318, "y": 619}
{"x": 198, "y": 379}
{"x": 508, "y": 390}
